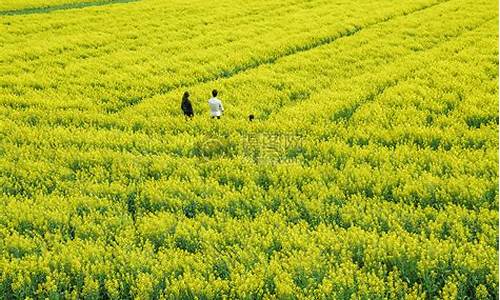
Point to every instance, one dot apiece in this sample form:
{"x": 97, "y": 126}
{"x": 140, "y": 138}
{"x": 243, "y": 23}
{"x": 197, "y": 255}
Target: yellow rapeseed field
{"x": 370, "y": 170}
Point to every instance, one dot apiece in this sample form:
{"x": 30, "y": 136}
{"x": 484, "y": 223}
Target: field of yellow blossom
{"x": 370, "y": 170}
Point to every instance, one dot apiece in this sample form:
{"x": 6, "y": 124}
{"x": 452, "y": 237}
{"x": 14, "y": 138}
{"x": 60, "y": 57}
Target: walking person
{"x": 216, "y": 108}
{"x": 186, "y": 106}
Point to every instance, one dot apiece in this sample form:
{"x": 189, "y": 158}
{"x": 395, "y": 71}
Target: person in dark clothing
{"x": 251, "y": 117}
{"x": 186, "y": 106}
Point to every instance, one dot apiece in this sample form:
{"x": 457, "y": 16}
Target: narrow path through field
{"x": 224, "y": 74}
{"x": 48, "y": 9}
{"x": 349, "y": 108}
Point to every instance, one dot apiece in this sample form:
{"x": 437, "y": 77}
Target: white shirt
{"x": 216, "y": 108}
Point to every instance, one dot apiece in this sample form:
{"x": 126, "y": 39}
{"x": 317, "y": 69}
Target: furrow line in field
{"x": 347, "y": 112}
{"x": 225, "y": 74}
{"x": 48, "y": 9}
{"x": 381, "y": 89}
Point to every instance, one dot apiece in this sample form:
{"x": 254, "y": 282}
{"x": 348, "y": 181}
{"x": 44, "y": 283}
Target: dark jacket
{"x": 187, "y": 108}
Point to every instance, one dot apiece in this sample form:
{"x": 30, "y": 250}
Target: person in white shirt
{"x": 216, "y": 108}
